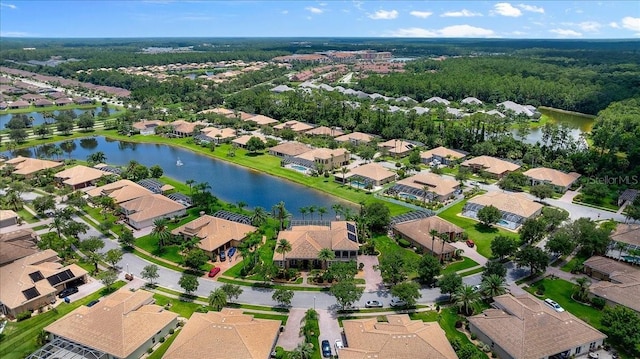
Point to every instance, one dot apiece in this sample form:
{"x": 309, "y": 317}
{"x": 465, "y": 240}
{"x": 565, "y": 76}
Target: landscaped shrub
{"x": 360, "y": 266}
{"x": 458, "y": 324}
{"x": 24, "y": 315}
{"x": 162, "y": 340}
{"x": 150, "y": 350}
{"x": 474, "y": 336}
{"x": 404, "y": 243}
{"x": 598, "y": 302}
{"x": 419, "y": 250}
{"x": 540, "y": 289}
{"x": 171, "y": 331}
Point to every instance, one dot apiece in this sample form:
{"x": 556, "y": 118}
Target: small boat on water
{"x": 179, "y": 163}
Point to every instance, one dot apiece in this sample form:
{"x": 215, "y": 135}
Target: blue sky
{"x": 166, "y": 18}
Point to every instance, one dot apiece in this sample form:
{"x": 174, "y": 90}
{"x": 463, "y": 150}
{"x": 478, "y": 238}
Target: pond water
{"x": 38, "y": 119}
{"x": 578, "y": 125}
{"x": 228, "y": 182}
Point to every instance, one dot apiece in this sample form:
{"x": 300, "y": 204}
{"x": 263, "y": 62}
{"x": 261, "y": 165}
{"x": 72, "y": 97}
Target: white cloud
{"x": 13, "y": 34}
{"x": 461, "y": 13}
{"x": 531, "y": 8}
{"x": 518, "y": 33}
{"x": 323, "y": 4}
{"x": 506, "y": 9}
{"x": 314, "y": 10}
{"x": 631, "y": 23}
{"x": 449, "y": 31}
{"x": 10, "y": 6}
{"x": 421, "y": 14}
{"x": 614, "y": 25}
{"x": 384, "y": 15}
{"x": 565, "y": 32}
{"x": 590, "y": 26}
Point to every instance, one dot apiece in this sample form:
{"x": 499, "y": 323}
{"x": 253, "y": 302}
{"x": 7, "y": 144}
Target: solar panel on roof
{"x": 351, "y": 228}
{"x": 31, "y": 293}
{"x": 352, "y": 237}
{"x": 60, "y": 277}
{"x": 36, "y": 276}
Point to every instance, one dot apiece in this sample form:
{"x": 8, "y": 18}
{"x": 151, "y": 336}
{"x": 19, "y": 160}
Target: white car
{"x": 554, "y": 305}
{"x": 339, "y": 345}
{"x": 395, "y": 302}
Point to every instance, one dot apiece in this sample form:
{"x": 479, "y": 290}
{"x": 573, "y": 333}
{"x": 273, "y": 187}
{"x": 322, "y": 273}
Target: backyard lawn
{"x": 386, "y": 245}
{"x": 465, "y": 263}
{"x": 27, "y": 216}
{"x": 481, "y": 235}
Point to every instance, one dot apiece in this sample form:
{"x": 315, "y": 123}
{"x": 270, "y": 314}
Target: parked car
{"x": 67, "y": 292}
{"x": 214, "y": 271}
{"x": 470, "y": 243}
{"x": 92, "y": 303}
{"x": 373, "y": 304}
{"x": 554, "y": 305}
{"x": 339, "y": 345}
{"x": 477, "y": 287}
{"x": 395, "y": 302}
{"x": 231, "y": 252}
{"x": 222, "y": 257}
{"x": 326, "y": 349}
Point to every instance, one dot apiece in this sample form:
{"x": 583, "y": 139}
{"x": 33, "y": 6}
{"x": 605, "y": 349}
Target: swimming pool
{"x": 502, "y": 222}
{"x": 632, "y": 259}
{"x": 358, "y": 184}
{"x": 299, "y": 168}
{"x": 407, "y": 196}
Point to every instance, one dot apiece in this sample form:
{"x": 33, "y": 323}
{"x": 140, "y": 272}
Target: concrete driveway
{"x": 371, "y": 276}
{"x": 290, "y": 338}
{"x": 329, "y": 328}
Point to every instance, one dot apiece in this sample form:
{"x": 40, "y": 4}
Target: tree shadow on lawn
{"x": 483, "y": 228}
{"x": 254, "y": 154}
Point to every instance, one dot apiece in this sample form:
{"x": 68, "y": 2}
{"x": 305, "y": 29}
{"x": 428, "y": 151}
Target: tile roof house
{"x": 289, "y": 149}
{"x": 215, "y": 234}
{"x": 607, "y": 269}
{"x": 441, "y": 154}
{"x": 261, "y": 120}
{"x": 515, "y": 207}
{"x": 218, "y": 135}
{"x": 627, "y": 233}
{"x": 325, "y": 131}
{"x": 43, "y": 102}
{"x": 324, "y": 157}
{"x": 219, "y": 111}
{"x": 437, "y": 187}
{"x": 438, "y": 100}
{"x": 523, "y": 327}
{"x": 19, "y": 104}
{"x": 356, "y": 138}
{"x": 63, "y": 101}
{"x": 79, "y": 176}
{"x": 470, "y": 101}
{"x": 120, "y": 191}
{"x": 399, "y": 338}
{"x": 619, "y": 285}
{"x": 527, "y": 110}
{"x": 25, "y": 166}
{"x": 307, "y": 241}
{"x": 225, "y": 334}
{"x": 295, "y": 126}
{"x": 371, "y": 172}
{"x": 32, "y": 282}
{"x": 397, "y": 148}
{"x": 148, "y": 127}
{"x": 122, "y": 325}
{"x": 141, "y": 212}
{"x": 494, "y": 166}
{"x": 418, "y": 232}
{"x": 559, "y": 180}
{"x": 182, "y": 128}
{"x": 17, "y": 244}
{"x": 242, "y": 140}
{"x": 8, "y": 218}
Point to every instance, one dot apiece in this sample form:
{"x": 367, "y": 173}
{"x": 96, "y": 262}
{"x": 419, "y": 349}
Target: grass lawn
{"x": 164, "y": 347}
{"x": 184, "y": 309}
{"x": 465, "y": 263}
{"x": 481, "y": 235}
{"x": 19, "y": 338}
{"x": 37, "y": 228}
{"x": 575, "y": 261}
{"x": 150, "y": 244}
{"x": 273, "y": 286}
{"x": 27, "y": 216}
{"x": 472, "y": 272}
{"x": 386, "y": 245}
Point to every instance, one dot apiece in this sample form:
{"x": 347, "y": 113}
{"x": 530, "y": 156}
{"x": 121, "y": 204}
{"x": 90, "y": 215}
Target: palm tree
{"x": 337, "y": 209}
{"x": 304, "y": 350}
{"x": 464, "y": 298}
{"x": 14, "y": 200}
{"x": 493, "y": 286}
{"x": 312, "y": 210}
{"x": 242, "y": 204}
{"x": 344, "y": 171}
{"x": 217, "y": 299}
{"x": 303, "y": 211}
{"x": 283, "y": 247}
{"x": 433, "y": 234}
{"x": 621, "y": 246}
{"x": 582, "y": 288}
{"x": 189, "y": 183}
{"x": 443, "y": 238}
{"x": 161, "y": 230}
{"x": 325, "y": 255}
{"x": 280, "y": 213}
{"x": 202, "y": 187}
{"x": 322, "y": 211}
{"x": 259, "y": 216}
{"x": 97, "y": 157}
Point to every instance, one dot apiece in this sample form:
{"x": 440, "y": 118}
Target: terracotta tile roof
{"x": 242, "y": 140}
{"x": 372, "y": 171}
{"x": 399, "y": 338}
{"x": 79, "y": 174}
{"x": 322, "y": 154}
{"x": 150, "y": 207}
{"x": 442, "y": 152}
{"x": 324, "y": 131}
{"x": 355, "y": 136}
{"x": 26, "y": 166}
{"x": 119, "y": 324}
{"x": 419, "y": 231}
{"x": 627, "y": 233}
{"x": 491, "y": 164}
{"x": 625, "y": 294}
{"x": 526, "y": 328}
{"x": 214, "y": 232}
{"x": 397, "y": 146}
{"x": 225, "y": 334}
{"x": 120, "y": 191}
{"x": 307, "y": 241}
{"x": 17, "y": 244}
{"x": 261, "y": 120}
{"x": 7, "y": 213}
{"x": 145, "y": 124}
{"x": 515, "y": 203}
{"x": 555, "y": 177}
{"x": 221, "y": 133}
{"x": 441, "y": 185}
{"x": 295, "y": 126}
{"x": 15, "y": 279}
{"x": 219, "y": 110}
{"x": 183, "y": 126}
{"x": 612, "y": 267}
{"x": 290, "y": 148}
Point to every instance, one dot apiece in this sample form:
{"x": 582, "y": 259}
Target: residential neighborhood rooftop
{"x": 627, "y": 233}
{"x": 443, "y": 152}
{"x": 79, "y": 174}
{"x": 515, "y": 203}
{"x": 420, "y": 231}
{"x": 492, "y": 165}
{"x": 325, "y": 131}
{"x": 120, "y": 191}
{"x": 214, "y": 231}
{"x": 26, "y": 166}
{"x": 374, "y": 171}
{"x": 437, "y": 184}
{"x": 290, "y": 148}
{"x": 553, "y": 176}
{"x": 307, "y": 241}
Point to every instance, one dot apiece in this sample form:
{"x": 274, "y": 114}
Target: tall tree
{"x": 408, "y": 292}
{"x": 189, "y": 283}
{"x": 283, "y": 247}
{"x": 464, "y": 298}
{"x": 161, "y": 231}
{"x": 150, "y": 273}
{"x": 217, "y": 299}
{"x": 232, "y": 291}
{"x": 489, "y": 215}
{"x": 449, "y": 283}
{"x": 394, "y": 268}
{"x": 503, "y": 246}
{"x": 533, "y": 257}
{"x": 283, "y": 297}
{"x": 259, "y": 216}
{"x": 428, "y": 268}
{"x": 493, "y": 286}
{"x": 325, "y": 255}
{"x": 346, "y": 293}
{"x": 280, "y": 213}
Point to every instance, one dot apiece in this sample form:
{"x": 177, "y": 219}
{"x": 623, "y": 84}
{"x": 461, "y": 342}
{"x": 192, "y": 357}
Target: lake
{"x": 229, "y": 182}
{"x": 578, "y": 125}
{"x": 38, "y": 119}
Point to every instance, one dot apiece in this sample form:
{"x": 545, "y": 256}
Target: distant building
{"x": 373, "y": 173}
{"x": 438, "y": 100}
{"x": 627, "y": 233}
{"x": 182, "y": 128}
{"x": 515, "y": 207}
{"x": 356, "y": 138}
{"x": 418, "y": 233}
{"x": 397, "y": 148}
{"x": 325, "y": 131}
{"x": 261, "y": 120}
{"x": 559, "y": 180}
{"x": 215, "y": 234}
{"x": 527, "y": 110}
{"x": 471, "y": 101}
{"x": 148, "y": 127}
{"x": 27, "y": 167}
{"x": 216, "y": 135}
{"x": 441, "y": 154}
{"x": 427, "y": 185}
{"x": 295, "y": 126}
{"x": 141, "y": 212}
{"x": 242, "y": 140}
{"x": 324, "y": 158}
{"x": 494, "y": 166}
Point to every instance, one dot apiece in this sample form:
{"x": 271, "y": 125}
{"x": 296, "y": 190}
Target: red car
{"x": 214, "y": 271}
{"x": 470, "y": 243}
